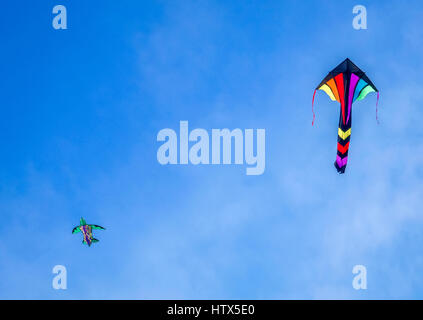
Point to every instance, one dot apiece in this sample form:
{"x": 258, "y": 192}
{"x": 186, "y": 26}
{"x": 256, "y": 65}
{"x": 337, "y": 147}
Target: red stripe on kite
{"x": 342, "y": 148}
{"x": 339, "y": 80}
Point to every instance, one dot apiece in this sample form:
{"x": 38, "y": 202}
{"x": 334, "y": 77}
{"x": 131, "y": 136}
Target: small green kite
{"x": 87, "y": 231}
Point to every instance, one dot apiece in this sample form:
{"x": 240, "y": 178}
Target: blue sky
{"x": 81, "y": 109}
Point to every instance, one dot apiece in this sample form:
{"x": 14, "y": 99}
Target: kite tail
{"x": 342, "y": 149}
{"x": 377, "y": 102}
{"x": 341, "y": 163}
{"x": 312, "y": 108}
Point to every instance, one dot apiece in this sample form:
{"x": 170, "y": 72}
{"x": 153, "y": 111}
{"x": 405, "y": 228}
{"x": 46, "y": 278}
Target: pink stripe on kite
{"x": 341, "y": 162}
{"x": 353, "y": 84}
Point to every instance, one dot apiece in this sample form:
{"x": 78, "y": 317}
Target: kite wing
{"x": 76, "y": 230}
{"x": 94, "y": 226}
{"x": 345, "y": 84}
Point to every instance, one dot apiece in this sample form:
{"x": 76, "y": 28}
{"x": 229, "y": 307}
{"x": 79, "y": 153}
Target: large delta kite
{"x": 87, "y": 232}
{"x": 345, "y": 84}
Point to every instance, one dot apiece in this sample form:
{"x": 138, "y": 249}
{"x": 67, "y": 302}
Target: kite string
{"x": 312, "y": 108}
{"x": 377, "y": 102}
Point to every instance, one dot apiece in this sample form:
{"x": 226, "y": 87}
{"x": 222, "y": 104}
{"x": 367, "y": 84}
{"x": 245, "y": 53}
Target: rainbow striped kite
{"x": 345, "y": 84}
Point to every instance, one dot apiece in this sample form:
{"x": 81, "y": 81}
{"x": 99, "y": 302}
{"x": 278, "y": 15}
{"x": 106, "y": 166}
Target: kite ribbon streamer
{"x": 377, "y": 102}
{"x": 312, "y": 108}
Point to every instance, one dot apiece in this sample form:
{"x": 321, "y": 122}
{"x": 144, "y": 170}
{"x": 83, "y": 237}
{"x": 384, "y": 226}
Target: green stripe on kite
{"x": 367, "y": 89}
{"x": 360, "y": 85}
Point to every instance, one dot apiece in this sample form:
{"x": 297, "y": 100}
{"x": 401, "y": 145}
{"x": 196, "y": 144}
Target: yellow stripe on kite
{"x": 343, "y": 135}
{"x": 328, "y": 91}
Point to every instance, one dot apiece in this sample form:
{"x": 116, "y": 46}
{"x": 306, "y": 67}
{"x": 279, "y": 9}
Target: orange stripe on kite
{"x": 332, "y": 86}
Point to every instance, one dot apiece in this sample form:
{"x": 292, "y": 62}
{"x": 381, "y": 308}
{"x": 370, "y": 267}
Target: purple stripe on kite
{"x": 341, "y": 162}
{"x": 86, "y": 236}
{"x": 353, "y": 83}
